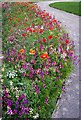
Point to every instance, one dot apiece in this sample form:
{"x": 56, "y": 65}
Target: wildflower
{"x": 11, "y": 38}
{"x": 55, "y": 36}
{"x": 10, "y": 31}
{"x": 24, "y": 35}
{"x": 44, "y": 85}
{"x": 11, "y": 74}
{"x": 15, "y": 111}
{"x": 27, "y": 110}
{"x": 31, "y": 111}
{"x": 10, "y": 18}
{"x": 34, "y": 31}
{"x": 38, "y": 71}
{"x": 50, "y": 37}
{"x": 11, "y": 83}
{"x": 63, "y": 55}
{"x": 21, "y": 51}
{"x": 51, "y": 28}
{"x": 46, "y": 100}
{"x": 9, "y": 112}
{"x": 32, "y": 52}
{"x": 44, "y": 55}
{"x": 25, "y": 66}
{"x": 44, "y": 40}
{"x": 41, "y": 30}
{"x": 54, "y": 20}
{"x": 36, "y": 116}
{"x": 37, "y": 89}
{"x": 3, "y": 69}
{"x": 67, "y": 41}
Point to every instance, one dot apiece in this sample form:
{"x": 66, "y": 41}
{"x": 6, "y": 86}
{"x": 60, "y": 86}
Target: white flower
{"x": 3, "y": 69}
{"x": 36, "y": 116}
{"x": 36, "y": 26}
{"x": 12, "y": 74}
{"x": 42, "y": 27}
{"x": 11, "y": 83}
{"x": 21, "y": 70}
{"x": 63, "y": 55}
{"x": 7, "y": 89}
{"x": 67, "y": 47}
{"x": 2, "y": 80}
{"x": 31, "y": 111}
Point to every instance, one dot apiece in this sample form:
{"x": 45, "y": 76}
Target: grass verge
{"x": 71, "y": 7}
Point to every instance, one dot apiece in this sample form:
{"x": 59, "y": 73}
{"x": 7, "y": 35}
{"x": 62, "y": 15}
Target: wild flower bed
{"x": 38, "y": 56}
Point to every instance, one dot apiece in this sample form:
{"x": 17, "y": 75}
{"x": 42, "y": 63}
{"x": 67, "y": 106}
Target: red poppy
{"x": 54, "y": 20}
{"x": 44, "y": 40}
{"x": 67, "y": 41}
{"x": 32, "y": 25}
{"x": 24, "y": 35}
{"x": 41, "y": 30}
{"x": 51, "y": 28}
{"x": 34, "y": 31}
{"x": 44, "y": 55}
{"x": 50, "y": 37}
{"x": 10, "y": 19}
{"x": 28, "y": 28}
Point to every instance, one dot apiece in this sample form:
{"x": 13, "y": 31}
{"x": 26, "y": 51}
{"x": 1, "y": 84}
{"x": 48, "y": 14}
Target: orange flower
{"x": 32, "y": 52}
{"x": 11, "y": 31}
{"x": 21, "y": 51}
{"x": 55, "y": 36}
{"x": 44, "y": 55}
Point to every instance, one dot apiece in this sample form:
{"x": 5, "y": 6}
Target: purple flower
{"x": 25, "y": 102}
{"x": 75, "y": 57}
{"x": 15, "y": 111}
{"x": 42, "y": 74}
{"x": 27, "y": 110}
{"x": 16, "y": 119}
{"x": 53, "y": 63}
{"x": 8, "y": 52}
{"x": 9, "y": 102}
{"x": 47, "y": 73}
{"x": 9, "y": 112}
{"x": 16, "y": 104}
{"x": 33, "y": 61}
{"x": 11, "y": 38}
{"x": 46, "y": 100}
{"x": 20, "y": 112}
{"x": 25, "y": 66}
{"x": 41, "y": 47}
{"x": 36, "y": 88}
{"x": 22, "y": 97}
{"x": 63, "y": 88}
{"x": 44, "y": 85}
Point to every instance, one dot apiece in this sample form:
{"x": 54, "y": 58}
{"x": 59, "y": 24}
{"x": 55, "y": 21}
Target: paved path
{"x": 68, "y": 106}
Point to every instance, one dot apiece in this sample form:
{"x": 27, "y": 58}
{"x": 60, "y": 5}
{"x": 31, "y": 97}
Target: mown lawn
{"x": 71, "y": 7}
